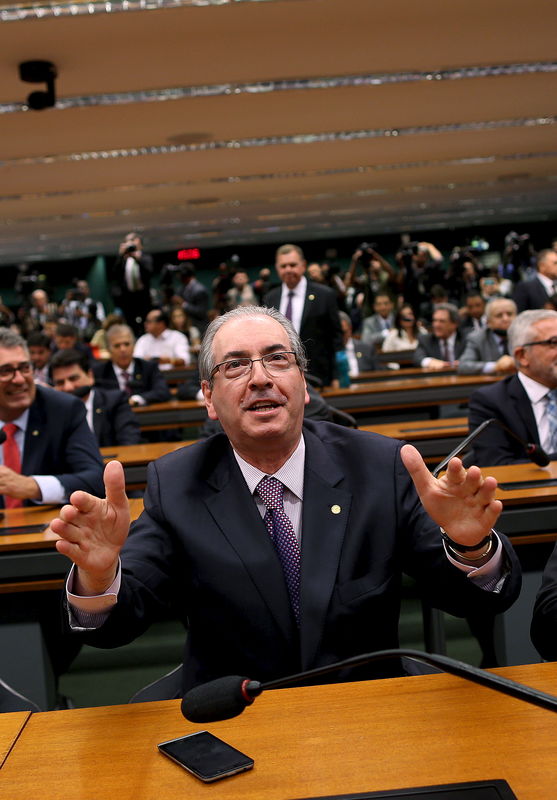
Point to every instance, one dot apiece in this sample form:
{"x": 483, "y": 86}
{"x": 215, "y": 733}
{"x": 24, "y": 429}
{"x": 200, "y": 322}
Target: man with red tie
{"x": 49, "y": 451}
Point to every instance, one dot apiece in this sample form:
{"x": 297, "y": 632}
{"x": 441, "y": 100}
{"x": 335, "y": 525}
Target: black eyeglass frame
{"x": 8, "y": 371}
{"x": 551, "y": 342}
{"x": 252, "y": 361}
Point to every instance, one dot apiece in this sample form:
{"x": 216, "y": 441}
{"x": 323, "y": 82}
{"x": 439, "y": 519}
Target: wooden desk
{"x": 306, "y": 742}
{"x": 406, "y": 394}
{"x": 11, "y": 726}
{"x": 393, "y": 374}
{"x": 135, "y": 458}
{"x": 172, "y": 414}
{"x": 434, "y": 439}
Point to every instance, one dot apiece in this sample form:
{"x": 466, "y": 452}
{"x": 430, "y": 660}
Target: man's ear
{"x": 306, "y": 397}
{"x": 521, "y": 355}
{"x": 208, "y": 397}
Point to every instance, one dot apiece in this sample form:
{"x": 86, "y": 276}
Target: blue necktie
{"x": 283, "y": 537}
{"x": 288, "y": 312}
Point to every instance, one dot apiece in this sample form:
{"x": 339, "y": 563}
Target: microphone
{"x": 533, "y": 451}
{"x": 227, "y": 697}
{"x": 3, "y": 436}
{"x": 81, "y": 391}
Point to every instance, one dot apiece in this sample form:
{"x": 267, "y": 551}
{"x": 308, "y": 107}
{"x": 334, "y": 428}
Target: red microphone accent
{"x": 247, "y": 697}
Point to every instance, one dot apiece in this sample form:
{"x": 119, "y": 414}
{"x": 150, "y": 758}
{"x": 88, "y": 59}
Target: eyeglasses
{"x": 272, "y": 363}
{"x": 8, "y": 371}
{"x": 544, "y": 342}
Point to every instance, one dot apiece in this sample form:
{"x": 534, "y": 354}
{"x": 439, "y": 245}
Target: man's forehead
{"x": 119, "y": 340}
{"x": 292, "y": 257}
{"x": 12, "y": 354}
{"x": 255, "y": 334}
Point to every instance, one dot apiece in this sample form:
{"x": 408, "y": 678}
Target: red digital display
{"x": 189, "y": 254}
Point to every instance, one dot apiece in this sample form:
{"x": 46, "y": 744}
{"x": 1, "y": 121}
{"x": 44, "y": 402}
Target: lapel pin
{"x": 99, "y": 410}
{"x": 311, "y": 297}
{"x": 358, "y": 355}
{"x": 35, "y": 433}
{"x": 336, "y": 509}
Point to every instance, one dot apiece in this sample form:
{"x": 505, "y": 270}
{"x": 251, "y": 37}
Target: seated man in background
{"x": 169, "y": 348}
{"x": 442, "y": 347}
{"x": 50, "y": 452}
{"x": 109, "y": 415}
{"x": 526, "y": 402}
{"x": 39, "y": 353}
{"x": 486, "y": 351}
{"x": 473, "y": 313}
{"x": 141, "y": 380}
{"x": 281, "y": 542}
{"x": 66, "y": 337}
{"x": 376, "y": 327}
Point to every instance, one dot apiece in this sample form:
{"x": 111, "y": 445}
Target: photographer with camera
{"x": 131, "y": 280}
{"x": 421, "y": 267}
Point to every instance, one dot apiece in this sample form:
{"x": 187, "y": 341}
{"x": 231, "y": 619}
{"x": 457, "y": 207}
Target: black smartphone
{"x": 206, "y": 756}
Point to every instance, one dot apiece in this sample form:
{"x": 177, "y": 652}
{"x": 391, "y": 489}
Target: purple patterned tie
{"x": 283, "y": 537}
{"x": 288, "y": 312}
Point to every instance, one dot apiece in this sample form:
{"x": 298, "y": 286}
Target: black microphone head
{"x": 537, "y": 455}
{"x": 222, "y": 698}
{"x": 81, "y": 391}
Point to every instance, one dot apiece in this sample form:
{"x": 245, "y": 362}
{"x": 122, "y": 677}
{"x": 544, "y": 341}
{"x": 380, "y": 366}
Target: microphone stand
{"x": 541, "y": 459}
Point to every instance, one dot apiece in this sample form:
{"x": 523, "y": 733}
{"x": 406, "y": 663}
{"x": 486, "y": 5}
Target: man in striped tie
{"x": 281, "y": 541}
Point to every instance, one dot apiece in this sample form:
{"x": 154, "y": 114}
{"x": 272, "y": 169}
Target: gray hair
{"x": 494, "y": 301}
{"x": 118, "y": 330}
{"x": 521, "y": 330}
{"x": 206, "y": 358}
{"x": 10, "y": 340}
{"x": 452, "y": 310}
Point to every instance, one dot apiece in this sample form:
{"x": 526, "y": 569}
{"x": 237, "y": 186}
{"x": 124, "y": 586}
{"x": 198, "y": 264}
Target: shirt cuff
{"x": 138, "y": 399}
{"x": 52, "y": 491}
{"x": 491, "y": 575}
{"x": 488, "y": 367}
{"x": 93, "y": 604}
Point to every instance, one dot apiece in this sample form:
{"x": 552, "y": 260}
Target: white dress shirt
{"x": 170, "y": 344}
{"x": 537, "y": 394}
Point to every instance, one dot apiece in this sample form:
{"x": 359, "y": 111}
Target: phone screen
{"x": 206, "y": 756}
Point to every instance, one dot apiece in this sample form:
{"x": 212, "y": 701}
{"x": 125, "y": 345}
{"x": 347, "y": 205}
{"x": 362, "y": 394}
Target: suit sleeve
{"x": 124, "y": 422}
{"x": 544, "y": 621}
{"x": 79, "y": 459}
{"x": 158, "y": 391}
{"x": 470, "y": 362}
{"x": 494, "y": 447}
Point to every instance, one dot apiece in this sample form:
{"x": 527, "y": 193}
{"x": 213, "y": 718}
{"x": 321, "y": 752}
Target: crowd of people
{"x": 258, "y": 347}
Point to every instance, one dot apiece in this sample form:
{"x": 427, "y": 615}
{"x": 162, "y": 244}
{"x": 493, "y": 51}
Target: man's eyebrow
{"x": 271, "y": 348}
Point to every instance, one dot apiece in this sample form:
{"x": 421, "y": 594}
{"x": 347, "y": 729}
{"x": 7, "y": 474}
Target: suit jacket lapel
{"x": 524, "y": 410}
{"x": 236, "y": 514}
{"x": 325, "y": 516}
{"x": 35, "y": 438}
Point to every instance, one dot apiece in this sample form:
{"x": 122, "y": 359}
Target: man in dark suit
{"x": 312, "y": 309}
{"x": 194, "y": 297}
{"x": 55, "y": 452}
{"x": 272, "y": 587}
{"x": 444, "y": 345}
{"x": 131, "y": 280}
{"x": 141, "y": 380}
{"x": 523, "y": 401}
{"x": 486, "y": 351}
{"x": 108, "y": 412}
{"x": 535, "y": 292}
